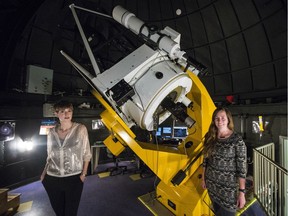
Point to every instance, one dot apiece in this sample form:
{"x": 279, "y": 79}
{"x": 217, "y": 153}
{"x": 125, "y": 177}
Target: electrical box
{"x": 48, "y": 110}
{"x": 39, "y": 80}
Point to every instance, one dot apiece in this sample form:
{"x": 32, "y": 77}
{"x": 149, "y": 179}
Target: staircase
{"x": 8, "y": 202}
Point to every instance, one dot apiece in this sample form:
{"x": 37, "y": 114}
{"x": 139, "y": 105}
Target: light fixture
{"x": 7, "y": 130}
{"x": 25, "y": 145}
{"x": 178, "y": 12}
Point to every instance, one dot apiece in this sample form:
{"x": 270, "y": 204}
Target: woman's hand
{"x": 203, "y": 184}
{"x": 82, "y": 177}
{"x": 42, "y": 176}
{"x": 241, "y": 200}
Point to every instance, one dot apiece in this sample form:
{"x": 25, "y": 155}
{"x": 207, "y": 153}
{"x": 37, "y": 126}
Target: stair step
{"x": 8, "y": 200}
{"x": 3, "y": 198}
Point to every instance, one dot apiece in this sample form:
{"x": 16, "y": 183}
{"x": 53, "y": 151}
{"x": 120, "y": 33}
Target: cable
{"x": 141, "y": 108}
{"x": 155, "y": 128}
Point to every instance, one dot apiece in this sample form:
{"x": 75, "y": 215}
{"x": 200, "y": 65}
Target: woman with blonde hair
{"x": 224, "y": 165}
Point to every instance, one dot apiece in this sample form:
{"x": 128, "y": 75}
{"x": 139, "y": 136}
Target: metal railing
{"x": 270, "y": 181}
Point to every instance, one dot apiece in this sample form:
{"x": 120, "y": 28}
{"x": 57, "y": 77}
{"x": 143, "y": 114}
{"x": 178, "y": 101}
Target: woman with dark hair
{"x": 224, "y": 165}
{"x": 68, "y": 157}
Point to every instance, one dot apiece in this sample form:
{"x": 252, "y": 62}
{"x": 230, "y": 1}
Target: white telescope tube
{"x": 164, "y": 42}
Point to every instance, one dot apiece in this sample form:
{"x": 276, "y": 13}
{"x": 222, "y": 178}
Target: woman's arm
{"x": 85, "y": 167}
{"x": 48, "y": 155}
{"x": 242, "y": 183}
{"x": 84, "y": 171}
{"x": 241, "y": 157}
{"x": 203, "y": 178}
{"x": 86, "y": 153}
{"x": 204, "y": 164}
{"x": 44, "y": 172}
{"x": 241, "y": 197}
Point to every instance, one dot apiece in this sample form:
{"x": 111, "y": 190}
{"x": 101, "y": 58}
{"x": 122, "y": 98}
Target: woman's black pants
{"x": 64, "y": 193}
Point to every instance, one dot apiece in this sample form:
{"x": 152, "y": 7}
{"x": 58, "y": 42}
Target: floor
{"x": 102, "y": 195}
{"x": 107, "y": 195}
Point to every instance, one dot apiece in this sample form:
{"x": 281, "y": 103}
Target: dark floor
{"x": 108, "y": 195}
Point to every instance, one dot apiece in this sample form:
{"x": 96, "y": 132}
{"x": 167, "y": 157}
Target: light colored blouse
{"x": 66, "y": 158}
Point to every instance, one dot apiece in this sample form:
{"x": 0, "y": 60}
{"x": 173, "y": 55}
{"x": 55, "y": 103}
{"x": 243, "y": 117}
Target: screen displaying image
{"x": 158, "y": 132}
{"x": 167, "y": 132}
{"x": 179, "y": 132}
{"x": 46, "y": 124}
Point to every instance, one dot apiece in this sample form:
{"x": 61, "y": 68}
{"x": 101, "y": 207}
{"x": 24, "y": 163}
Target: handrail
{"x": 271, "y": 161}
{"x": 270, "y": 182}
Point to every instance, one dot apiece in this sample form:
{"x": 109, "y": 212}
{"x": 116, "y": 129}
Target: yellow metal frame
{"x": 187, "y": 198}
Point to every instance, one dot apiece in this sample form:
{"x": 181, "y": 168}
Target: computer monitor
{"x": 167, "y": 132}
{"x": 46, "y": 124}
{"x": 158, "y": 132}
{"x": 180, "y": 132}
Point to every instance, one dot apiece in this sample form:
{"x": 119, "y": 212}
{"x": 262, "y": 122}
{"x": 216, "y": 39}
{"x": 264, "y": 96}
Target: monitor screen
{"x": 179, "y": 132}
{"x": 167, "y": 132}
{"x": 46, "y": 124}
{"x": 158, "y": 132}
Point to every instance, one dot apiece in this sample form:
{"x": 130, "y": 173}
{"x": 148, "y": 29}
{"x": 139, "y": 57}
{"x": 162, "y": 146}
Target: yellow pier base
{"x": 188, "y": 199}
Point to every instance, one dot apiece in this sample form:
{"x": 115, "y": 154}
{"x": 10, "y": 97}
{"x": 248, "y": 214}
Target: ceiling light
{"x": 178, "y": 11}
